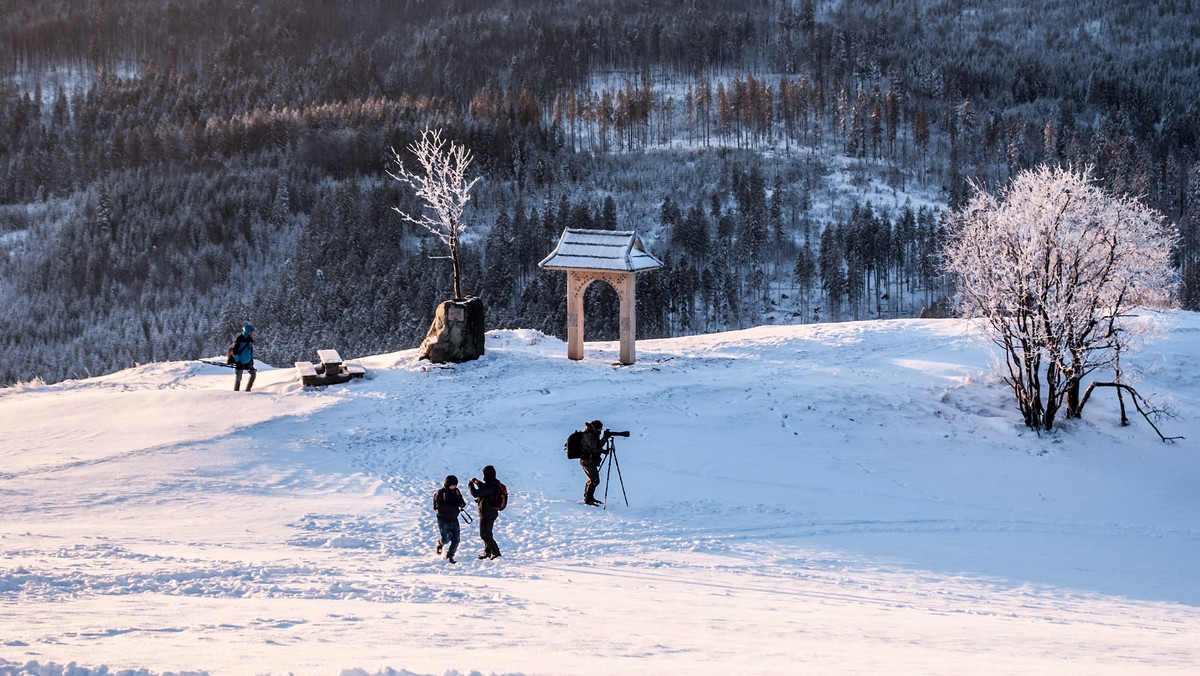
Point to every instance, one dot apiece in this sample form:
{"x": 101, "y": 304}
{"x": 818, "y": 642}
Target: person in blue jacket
{"x": 242, "y": 354}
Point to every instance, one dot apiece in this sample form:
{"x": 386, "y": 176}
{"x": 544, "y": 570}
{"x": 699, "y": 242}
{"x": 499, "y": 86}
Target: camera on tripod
{"x": 611, "y": 433}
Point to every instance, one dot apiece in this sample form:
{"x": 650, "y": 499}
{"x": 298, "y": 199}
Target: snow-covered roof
{"x": 600, "y": 250}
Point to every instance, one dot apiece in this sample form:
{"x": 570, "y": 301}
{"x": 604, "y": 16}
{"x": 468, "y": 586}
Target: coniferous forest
{"x": 171, "y": 170}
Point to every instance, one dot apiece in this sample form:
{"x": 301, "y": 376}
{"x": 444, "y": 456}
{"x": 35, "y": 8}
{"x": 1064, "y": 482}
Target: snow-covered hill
{"x": 852, "y": 497}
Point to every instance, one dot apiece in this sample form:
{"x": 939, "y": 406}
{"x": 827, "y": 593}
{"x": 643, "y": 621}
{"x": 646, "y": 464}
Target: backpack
{"x": 445, "y": 498}
{"x": 237, "y": 350}
{"x": 501, "y": 496}
{"x": 574, "y": 445}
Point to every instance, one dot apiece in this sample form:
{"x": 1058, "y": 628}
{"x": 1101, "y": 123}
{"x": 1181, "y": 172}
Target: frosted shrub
{"x": 1052, "y": 266}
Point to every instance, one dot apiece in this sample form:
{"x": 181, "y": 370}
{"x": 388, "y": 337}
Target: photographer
{"x": 487, "y": 494}
{"x": 591, "y": 457}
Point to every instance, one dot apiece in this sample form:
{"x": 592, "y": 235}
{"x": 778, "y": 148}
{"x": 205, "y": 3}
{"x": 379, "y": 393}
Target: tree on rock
{"x": 442, "y": 184}
{"x": 1052, "y": 266}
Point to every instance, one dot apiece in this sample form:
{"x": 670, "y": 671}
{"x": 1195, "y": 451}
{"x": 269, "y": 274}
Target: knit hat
{"x": 451, "y": 480}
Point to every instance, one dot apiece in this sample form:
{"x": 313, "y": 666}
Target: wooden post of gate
{"x": 606, "y": 255}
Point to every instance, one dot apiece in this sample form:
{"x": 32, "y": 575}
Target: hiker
{"x": 447, "y": 502}
{"x": 487, "y": 496}
{"x": 591, "y": 456}
{"x": 241, "y": 355}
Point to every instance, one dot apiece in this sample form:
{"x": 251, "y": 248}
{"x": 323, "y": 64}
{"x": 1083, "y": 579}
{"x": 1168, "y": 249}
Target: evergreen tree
{"x": 804, "y": 274}
{"x": 608, "y": 218}
{"x": 499, "y": 279}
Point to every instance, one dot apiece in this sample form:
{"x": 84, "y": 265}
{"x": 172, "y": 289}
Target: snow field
{"x": 828, "y": 498}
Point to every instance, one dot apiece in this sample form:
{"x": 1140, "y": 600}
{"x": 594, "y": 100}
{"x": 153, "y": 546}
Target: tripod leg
{"x": 619, "y": 478}
{"x": 606, "y": 478}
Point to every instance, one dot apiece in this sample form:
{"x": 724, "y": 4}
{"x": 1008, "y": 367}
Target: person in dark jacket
{"x": 447, "y": 502}
{"x": 242, "y": 354}
{"x": 486, "y": 494}
{"x": 591, "y": 457}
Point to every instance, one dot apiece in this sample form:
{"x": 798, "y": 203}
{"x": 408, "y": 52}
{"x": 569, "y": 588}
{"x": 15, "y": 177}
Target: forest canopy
{"x": 171, "y": 170}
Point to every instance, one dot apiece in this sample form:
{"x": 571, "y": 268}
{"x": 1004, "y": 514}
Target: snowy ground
{"x": 806, "y": 499}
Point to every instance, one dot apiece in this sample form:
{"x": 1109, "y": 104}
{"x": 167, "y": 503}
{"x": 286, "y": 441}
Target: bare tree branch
{"x": 442, "y": 185}
{"x": 1138, "y": 400}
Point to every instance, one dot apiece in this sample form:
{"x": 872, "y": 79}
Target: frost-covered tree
{"x": 443, "y": 186}
{"x": 1052, "y": 266}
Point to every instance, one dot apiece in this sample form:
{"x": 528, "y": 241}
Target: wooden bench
{"x": 332, "y": 369}
{"x": 331, "y": 361}
{"x": 308, "y": 372}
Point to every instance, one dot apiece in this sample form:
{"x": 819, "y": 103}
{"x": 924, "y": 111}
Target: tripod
{"x": 611, "y": 458}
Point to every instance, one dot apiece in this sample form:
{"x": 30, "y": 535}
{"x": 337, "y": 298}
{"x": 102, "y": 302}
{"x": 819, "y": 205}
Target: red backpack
{"x": 501, "y": 496}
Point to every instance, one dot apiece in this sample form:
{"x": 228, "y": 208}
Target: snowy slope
{"x": 806, "y": 499}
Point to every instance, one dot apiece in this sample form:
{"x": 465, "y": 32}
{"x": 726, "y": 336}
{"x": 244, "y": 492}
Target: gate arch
{"x": 611, "y": 256}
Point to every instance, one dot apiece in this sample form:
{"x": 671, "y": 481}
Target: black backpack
{"x": 574, "y": 445}
{"x": 445, "y": 498}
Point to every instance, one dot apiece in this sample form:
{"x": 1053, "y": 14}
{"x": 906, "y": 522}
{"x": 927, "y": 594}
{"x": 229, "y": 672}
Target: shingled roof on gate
{"x": 600, "y": 250}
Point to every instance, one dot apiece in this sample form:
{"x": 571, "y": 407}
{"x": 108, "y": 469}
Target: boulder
{"x": 456, "y": 334}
